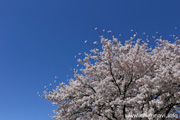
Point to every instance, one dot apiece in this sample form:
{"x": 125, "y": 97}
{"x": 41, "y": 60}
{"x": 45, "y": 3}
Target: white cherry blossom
{"x": 122, "y": 79}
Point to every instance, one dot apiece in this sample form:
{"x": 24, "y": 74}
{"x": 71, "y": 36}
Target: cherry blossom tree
{"x": 120, "y": 80}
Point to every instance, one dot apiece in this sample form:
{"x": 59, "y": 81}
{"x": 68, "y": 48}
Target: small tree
{"x": 121, "y": 80}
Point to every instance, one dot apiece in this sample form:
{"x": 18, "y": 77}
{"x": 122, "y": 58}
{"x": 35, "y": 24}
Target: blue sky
{"x": 39, "y": 39}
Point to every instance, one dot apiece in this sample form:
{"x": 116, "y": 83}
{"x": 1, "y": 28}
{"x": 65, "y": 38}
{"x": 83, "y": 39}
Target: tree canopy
{"x": 120, "y": 80}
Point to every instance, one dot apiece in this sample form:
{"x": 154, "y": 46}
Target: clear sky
{"x": 39, "y": 39}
